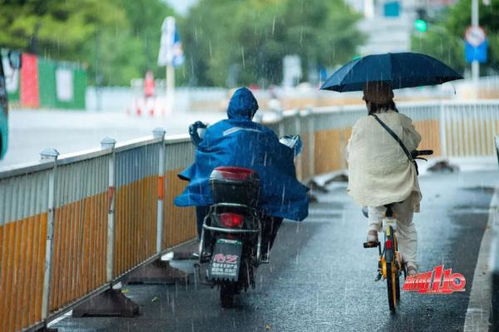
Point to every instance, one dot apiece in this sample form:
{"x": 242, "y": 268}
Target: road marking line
{"x": 478, "y": 313}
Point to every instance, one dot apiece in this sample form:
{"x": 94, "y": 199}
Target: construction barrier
{"x": 72, "y": 226}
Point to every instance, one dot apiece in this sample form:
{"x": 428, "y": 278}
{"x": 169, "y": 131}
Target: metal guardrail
{"x": 73, "y": 225}
{"x": 494, "y": 262}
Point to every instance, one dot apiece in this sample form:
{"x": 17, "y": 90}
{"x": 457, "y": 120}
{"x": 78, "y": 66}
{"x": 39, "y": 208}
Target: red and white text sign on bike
{"x": 438, "y": 281}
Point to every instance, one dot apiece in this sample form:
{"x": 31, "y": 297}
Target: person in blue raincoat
{"x": 238, "y": 141}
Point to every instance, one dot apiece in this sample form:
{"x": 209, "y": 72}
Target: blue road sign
{"x": 476, "y": 53}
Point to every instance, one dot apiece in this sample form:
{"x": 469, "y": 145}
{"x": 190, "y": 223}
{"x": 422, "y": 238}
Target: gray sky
{"x": 181, "y": 6}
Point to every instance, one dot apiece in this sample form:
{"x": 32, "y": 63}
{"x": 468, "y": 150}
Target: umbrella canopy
{"x": 399, "y": 70}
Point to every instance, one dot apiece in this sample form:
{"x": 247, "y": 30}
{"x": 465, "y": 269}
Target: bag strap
{"x": 395, "y": 137}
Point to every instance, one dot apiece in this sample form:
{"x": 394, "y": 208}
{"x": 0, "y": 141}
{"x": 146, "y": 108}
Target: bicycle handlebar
{"x": 417, "y": 153}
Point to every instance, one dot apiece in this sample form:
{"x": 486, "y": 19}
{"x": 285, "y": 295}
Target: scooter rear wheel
{"x": 227, "y": 292}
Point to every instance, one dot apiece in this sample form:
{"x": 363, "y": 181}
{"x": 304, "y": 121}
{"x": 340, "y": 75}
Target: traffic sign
{"x": 170, "y": 50}
{"x": 478, "y": 53}
{"x": 475, "y": 35}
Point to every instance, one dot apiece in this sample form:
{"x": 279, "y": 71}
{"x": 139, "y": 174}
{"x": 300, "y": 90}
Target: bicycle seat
{"x": 389, "y": 211}
{"x": 389, "y": 207}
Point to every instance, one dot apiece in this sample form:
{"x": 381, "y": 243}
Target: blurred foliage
{"x": 117, "y": 39}
{"x": 247, "y": 39}
{"x": 243, "y": 39}
{"x": 445, "y": 40}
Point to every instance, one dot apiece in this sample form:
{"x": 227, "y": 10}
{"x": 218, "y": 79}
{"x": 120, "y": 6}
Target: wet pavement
{"x": 322, "y": 279}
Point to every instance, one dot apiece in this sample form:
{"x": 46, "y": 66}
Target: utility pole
{"x": 170, "y": 87}
{"x": 475, "y": 65}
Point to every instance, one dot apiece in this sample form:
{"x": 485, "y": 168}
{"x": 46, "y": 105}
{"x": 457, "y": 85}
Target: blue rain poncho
{"x": 238, "y": 141}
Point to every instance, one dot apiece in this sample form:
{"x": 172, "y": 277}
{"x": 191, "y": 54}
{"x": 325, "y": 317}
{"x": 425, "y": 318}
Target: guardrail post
{"x": 303, "y": 116}
{"x": 112, "y": 302}
{"x": 443, "y": 130}
{"x": 160, "y": 133}
{"x": 497, "y": 147}
{"x": 50, "y": 156}
{"x": 309, "y": 114}
{"x": 280, "y": 126}
{"x": 109, "y": 143}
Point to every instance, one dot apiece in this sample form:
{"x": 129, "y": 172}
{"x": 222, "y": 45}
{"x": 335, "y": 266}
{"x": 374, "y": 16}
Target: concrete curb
{"x": 480, "y": 303}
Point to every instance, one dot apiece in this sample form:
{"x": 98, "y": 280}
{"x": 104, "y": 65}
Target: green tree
{"x": 251, "y": 37}
{"x": 117, "y": 39}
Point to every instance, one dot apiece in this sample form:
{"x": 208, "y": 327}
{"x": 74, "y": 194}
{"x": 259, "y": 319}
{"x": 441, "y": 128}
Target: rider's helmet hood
{"x": 242, "y": 105}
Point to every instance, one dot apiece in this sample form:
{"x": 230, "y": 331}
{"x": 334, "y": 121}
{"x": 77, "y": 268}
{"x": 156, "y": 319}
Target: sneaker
{"x": 411, "y": 270}
{"x": 265, "y": 259}
{"x": 372, "y": 236}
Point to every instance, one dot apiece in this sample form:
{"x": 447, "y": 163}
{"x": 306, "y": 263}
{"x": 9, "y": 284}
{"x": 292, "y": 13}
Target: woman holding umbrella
{"x": 379, "y": 171}
{"x": 381, "y": 166}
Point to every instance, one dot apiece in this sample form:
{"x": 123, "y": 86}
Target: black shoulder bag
{"x": 399, "y": 141}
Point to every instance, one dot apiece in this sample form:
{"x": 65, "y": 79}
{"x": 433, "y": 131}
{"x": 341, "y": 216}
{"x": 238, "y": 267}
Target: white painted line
{"x": 478, "y": 313}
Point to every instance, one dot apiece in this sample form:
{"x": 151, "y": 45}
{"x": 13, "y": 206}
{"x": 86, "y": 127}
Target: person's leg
{"x": 376, "y": 214}
{"x": 406, "y": 233}
{"x": 270, "y": 226}
{"x": 201, "y": 212}
{"x": 276, "y": 223}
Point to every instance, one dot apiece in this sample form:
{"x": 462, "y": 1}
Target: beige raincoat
{"x": 379, "y": 171}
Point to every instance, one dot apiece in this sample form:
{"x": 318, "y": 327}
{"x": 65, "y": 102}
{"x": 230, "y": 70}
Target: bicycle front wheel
{"x": 392, "y": 285}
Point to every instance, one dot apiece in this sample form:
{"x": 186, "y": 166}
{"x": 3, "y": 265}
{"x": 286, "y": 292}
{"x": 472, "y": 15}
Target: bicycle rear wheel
{"x": 392, "y": 286}
{"x": 397, "y": 286}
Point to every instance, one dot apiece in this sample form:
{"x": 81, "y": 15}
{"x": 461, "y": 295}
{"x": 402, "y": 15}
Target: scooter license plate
{"x": 226, "y": 260}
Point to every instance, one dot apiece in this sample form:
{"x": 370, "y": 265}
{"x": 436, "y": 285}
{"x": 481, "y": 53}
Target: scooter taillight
{"x": 231, "y": 220}
{"x": 233, "y": 173}
{"x": 388, "y": 244}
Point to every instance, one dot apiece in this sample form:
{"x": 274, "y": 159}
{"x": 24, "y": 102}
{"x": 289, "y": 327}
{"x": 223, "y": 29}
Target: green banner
{"x": 62, "y": 85}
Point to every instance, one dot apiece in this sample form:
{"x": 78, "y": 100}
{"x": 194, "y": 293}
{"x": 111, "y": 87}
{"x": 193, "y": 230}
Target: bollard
{"x": 49, "y": 156}
{"x": 109, "y": 143}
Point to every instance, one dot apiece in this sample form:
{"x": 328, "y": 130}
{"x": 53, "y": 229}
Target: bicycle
{"x": 390, "y": 264}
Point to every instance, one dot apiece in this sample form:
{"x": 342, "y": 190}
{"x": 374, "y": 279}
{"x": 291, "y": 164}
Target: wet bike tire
{"x": 397, "y": 286}
{"x": 227, "y": 292}
{"x": 391, "y": 285}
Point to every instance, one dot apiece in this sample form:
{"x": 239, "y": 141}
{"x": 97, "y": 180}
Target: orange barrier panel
{"x": 330, "y": 145}
{"x": 21, "y": 274}
{"x": 303, "y": 160}
{"x": 330, "y": 148}
{"x": 179, "y": 223}
{"x": 135, "y": 223}
{"x": 80, "y": 235}
{"x": 430, "y": 136}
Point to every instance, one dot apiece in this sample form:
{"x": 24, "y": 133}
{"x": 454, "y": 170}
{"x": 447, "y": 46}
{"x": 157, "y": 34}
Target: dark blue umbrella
{"x": 399, "y": 70}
